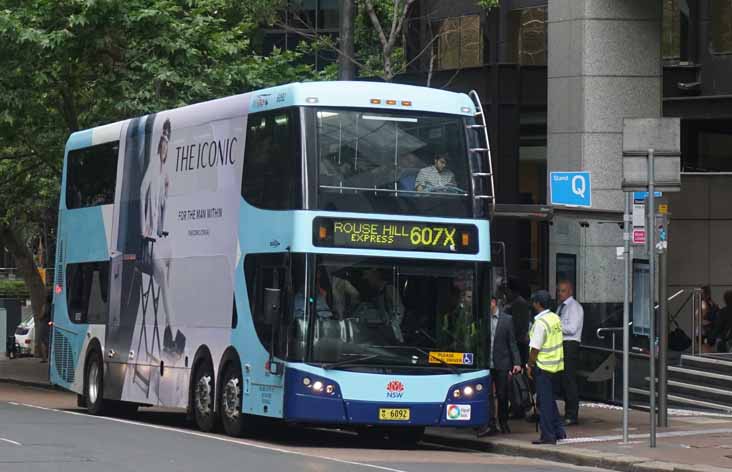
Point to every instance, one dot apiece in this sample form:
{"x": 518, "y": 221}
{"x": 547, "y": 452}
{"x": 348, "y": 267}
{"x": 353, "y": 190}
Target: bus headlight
{"x": 306, "y": 381}
{"x": 317, "y": 386}
{"x": 479, "y": 388}
{"x": 456, "y": 393}
{"x": 468, "y": 391}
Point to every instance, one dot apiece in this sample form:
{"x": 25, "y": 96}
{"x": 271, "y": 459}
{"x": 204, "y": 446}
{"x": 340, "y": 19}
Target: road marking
{"x": 670, "y": 434}
{"x": 15, "y": 443}
{"x": 218, "y": 438}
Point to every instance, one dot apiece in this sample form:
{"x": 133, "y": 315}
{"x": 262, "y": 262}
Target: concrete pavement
{"x": 694, "y": 441}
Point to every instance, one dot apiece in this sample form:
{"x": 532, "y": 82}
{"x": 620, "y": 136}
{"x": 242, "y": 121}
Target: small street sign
{"x": 570, "y": 189}
{"x": 639, "y": 236}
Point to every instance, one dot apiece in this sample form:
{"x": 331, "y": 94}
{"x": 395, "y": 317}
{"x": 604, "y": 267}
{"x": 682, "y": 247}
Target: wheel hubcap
{"x": 203, "y": 395}
{"x": 232, "y": 399}
{"x": 93, "y": 382}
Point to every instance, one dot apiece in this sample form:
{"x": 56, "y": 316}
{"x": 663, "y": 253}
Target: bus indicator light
{"x": 323, "y": 232}
{"x": 465, "y": 239}
{"x": 391, "y": 102}
{"x": 376, "y": 101}
{"x": 58, "y": 289}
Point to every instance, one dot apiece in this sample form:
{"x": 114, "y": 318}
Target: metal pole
{"x": 663, "y": 344}
{"x": 627, "y": 223}
{"x": 651, "y": 238}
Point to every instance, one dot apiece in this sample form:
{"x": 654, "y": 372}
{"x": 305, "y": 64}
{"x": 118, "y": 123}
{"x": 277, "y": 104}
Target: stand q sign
{"x": 570, "y": 189}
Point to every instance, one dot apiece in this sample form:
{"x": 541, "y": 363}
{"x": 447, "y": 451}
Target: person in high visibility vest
{"x": 546, "y": 361}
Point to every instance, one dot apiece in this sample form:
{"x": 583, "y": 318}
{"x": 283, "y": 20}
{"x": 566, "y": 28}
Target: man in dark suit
{"x": 504, "y": 357}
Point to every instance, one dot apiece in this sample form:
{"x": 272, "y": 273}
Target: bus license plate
{"x": 394, "y": 414}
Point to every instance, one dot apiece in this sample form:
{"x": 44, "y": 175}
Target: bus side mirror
{"x": 272, "y": 307}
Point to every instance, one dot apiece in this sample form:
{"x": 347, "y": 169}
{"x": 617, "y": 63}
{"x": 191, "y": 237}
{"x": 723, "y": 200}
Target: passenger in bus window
{"x": 436, "y": 177}
{"x": 321, "y": 303}
{"x": 345, "y": 296}
{"x": 386, "y": 298}
{"x": 153, "y": 196}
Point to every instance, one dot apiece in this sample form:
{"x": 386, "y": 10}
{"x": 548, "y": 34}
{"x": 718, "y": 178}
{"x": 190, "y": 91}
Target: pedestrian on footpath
{"x": 572, "y": 314}
{"x": 503, "y": 358}
{"x": 546, "y": 361}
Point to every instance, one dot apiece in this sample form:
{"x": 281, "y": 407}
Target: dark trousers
{"x": 569, "y": 379}
{"x": 500, "y": 382}
{"x": 550, "y": 424}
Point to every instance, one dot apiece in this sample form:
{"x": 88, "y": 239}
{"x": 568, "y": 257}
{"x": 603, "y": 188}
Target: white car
{"x": 25, "y": 336}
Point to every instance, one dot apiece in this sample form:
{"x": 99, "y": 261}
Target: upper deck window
{"x": 91, "y": 175}
{"x": 272, "y": 160}
{"x": 392, "y": 162}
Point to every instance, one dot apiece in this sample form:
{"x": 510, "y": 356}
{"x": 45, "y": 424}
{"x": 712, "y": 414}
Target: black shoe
{"x": 504, "y": 428}
{"x": 168, "y": 344}
{"x": 487, "y": 431}
{"x": 544, "y": 441}
{"x": 570, "y": 422}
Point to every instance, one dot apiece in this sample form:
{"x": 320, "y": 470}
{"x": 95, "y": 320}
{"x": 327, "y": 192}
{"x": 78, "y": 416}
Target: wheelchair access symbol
{"x": 570, "y": 189}
{"x": 467, "y": 358}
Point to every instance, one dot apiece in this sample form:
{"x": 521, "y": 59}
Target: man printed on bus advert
{"x": 153, "y": 197}
{"x": 435, "y": 177}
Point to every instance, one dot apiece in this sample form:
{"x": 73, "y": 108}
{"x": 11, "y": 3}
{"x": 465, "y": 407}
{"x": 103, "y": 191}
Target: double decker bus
{"x": 317, "y": 253}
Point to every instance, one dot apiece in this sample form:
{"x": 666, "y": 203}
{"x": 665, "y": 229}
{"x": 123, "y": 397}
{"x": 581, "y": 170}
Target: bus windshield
{"x": 392, "y": 162}
{"x": 373, "y": 312}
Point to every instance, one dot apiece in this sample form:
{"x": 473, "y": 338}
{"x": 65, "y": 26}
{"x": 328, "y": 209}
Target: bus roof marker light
{"x": 311, "y": 100}
{"x": 391, "y": 102}
{"x": 406, "y": 103}
{"x": 465, "y": 110}
{"x": 375, "y": 101}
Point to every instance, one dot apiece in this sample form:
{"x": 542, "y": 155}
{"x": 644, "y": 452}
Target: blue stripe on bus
{"x": 360, "y": 386}
{"x": 273, "y": 231}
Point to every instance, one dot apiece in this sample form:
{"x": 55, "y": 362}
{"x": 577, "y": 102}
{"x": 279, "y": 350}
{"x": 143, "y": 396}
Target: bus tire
{"x": 94, "y": 384}
{"x": 231, "y": 401}
{"x": 407, "y": 437}
{"x": 203, "y": 396}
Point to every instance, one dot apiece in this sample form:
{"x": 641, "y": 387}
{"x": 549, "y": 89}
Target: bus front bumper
{"x": 321, "y": 401}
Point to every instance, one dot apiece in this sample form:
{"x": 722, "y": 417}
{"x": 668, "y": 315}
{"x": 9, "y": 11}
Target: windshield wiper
{"x": 450, "y": 367}
{"x": 355, "y": 360}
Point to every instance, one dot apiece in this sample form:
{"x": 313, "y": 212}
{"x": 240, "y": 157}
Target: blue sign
{"x": 640, "y": 196}
{"x": 570, "y": 189}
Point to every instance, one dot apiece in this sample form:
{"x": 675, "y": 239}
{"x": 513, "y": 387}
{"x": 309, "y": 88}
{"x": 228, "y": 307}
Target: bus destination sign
{"x": 395, "y": 235}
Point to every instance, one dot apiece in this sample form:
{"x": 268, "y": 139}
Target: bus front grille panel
{"x": 64, "y": 356}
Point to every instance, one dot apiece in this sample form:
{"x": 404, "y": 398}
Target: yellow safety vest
{"x": 551, "y": 354}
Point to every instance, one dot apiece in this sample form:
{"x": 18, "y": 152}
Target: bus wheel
{"x": 94, "y": 390}
{"x": 231, "y": 401}
{"x": 203, "y": 397}
{"x": 406, "y": 437}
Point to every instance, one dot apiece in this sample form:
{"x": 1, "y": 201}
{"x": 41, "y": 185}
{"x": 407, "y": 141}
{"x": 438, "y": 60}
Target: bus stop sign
{"x": 570, "y": 189}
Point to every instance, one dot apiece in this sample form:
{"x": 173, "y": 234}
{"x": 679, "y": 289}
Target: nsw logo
{"x": 394, "y": 389}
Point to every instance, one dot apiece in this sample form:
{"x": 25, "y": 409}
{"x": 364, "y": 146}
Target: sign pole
{"x": 663, "y": 341}
{"x": 651, "y": 238}
{"x": 627, "y": 220}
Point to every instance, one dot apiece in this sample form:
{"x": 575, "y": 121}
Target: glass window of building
{"x": 527, "y": 36}
{"x": 459, "y": 42}
{"x": 675, "y": 30}
{"x": 721, "y": 16}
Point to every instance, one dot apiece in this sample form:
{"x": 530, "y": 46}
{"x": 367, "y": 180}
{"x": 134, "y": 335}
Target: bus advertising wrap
{"x": 174, "y": 246}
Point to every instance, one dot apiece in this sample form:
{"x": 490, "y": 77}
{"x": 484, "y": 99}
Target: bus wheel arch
{"x": 202, "y": 391}
{"x": 93, "y": 385}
